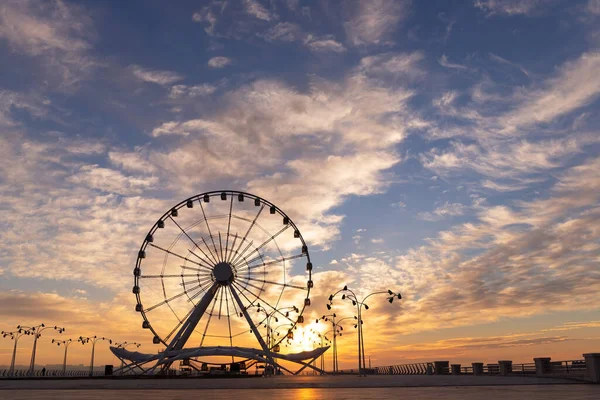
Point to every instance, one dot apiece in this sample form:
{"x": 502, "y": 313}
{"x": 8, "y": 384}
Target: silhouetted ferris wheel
{"x": 216, "y": 267}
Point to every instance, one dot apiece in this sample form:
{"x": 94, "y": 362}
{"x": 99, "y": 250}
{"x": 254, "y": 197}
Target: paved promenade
{"x": 280, "y": 382}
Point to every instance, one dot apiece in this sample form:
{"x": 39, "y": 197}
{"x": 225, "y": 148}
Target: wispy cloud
{"x": 59, "y": 33}
{"x": 257, "y": 10}
{"x": 512, "y": 7}
{"x": 219, "y": 62}
{"x": 443, "y": 211}
{"x": 374, "y": 22}
{"x": 576, "y": 85}
{"x": 505, "y": 61}
{"x": 444, "y": 62}
{"x": 155, "y": 76}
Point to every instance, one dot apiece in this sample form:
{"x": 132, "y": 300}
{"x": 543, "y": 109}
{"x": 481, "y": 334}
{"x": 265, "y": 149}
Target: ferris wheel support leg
{"x": 262, "y": 343}
{"x": 190, "y": 324}
{"x": 309, "y": 365}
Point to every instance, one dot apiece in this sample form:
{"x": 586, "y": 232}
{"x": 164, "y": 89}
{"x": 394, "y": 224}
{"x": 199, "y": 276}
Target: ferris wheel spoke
{"x": 210, "y": 251}
{"x": 248, "y": 231}
{"x": 285, "y": 285}
{"x": 166, "y": 301}
{"x": 221, "y": 301}
{"x": 266, "y": 242}
{"x": 210, "y": 314}
{"x": 178, "y": 325}
{"x": 198, "y": 293}
{"x": 174, "y": 254}
{"x": 267, "y": 263}
{"x": 231, "y": 251}
{"x": 221, "y": 246}
{"x": 236, "y": 259}
{"x": 260, "y": 289}
{"x": 194, "y": 269}
{"x": 227, "y": 294}
{"x": 204, "y": 260}
{"x": 169, "y": 276}
{"x": 205, "y": 280}
{"x": 208, "y": 227}
{"x": 228, "y": 227}
{"x": 243, "y": 289}
{"x": 191, "y": 240}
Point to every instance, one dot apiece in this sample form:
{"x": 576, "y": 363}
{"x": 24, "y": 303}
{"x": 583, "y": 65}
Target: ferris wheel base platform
{"x": 135, "y": 361}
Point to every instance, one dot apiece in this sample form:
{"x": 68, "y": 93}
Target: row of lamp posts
{"x": 37, "y": 330}
{"x": 348, "y": 294}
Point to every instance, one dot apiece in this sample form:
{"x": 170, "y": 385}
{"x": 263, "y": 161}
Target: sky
{"x": 448, "y": 150}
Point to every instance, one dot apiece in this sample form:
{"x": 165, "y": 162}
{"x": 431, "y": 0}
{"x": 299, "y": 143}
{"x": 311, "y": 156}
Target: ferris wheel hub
{"x": 223, "y": 273}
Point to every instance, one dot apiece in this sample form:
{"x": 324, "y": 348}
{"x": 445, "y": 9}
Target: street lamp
{"x": 37, "y": 332}
{"x": 324, "y": 340}
{"x": 66, "y": 344}
{"x": 93, "y": 339}
{"x": 16, "y": 335}
{"x": 123, "y": 345}
{"x": 351, "y": 296}
{"x": 337, "y": 328}
{"x": 269, "y": 316}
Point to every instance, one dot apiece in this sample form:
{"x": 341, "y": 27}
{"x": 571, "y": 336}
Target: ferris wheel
{"x": 216, "y": 268}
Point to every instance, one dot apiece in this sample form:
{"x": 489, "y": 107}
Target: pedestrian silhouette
{"x": 44, "y": 371}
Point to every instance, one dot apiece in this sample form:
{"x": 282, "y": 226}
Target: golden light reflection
{"x": 306, "y": 394}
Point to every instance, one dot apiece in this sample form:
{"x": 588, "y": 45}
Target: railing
{"x": 19, "y": 373}
{"x": 570, "y": 368}
{"x": 405, "y": 369}
{"x": 576, "y": 367}
{"x": 523, "y": 369}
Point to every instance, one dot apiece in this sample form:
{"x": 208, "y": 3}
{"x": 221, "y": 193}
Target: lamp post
{"x": 37, "y": 332}
{"x": 322, "y": 338}
{"x": 271, "y": 316}
{"x": 123, "y": 345}
{"x": 93, "y": 339}
{"x": 66, "y": 344}
{"x": 274, "y": 331}
{"x": 337, "y": 328}
{"x": 16, "y": 335}
{"x": 359, "y": 304}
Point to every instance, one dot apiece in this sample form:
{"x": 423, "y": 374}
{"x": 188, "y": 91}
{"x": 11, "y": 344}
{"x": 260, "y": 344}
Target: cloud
{"x": 377, "y": 241}
{"x": 511, "y": 7}
{"x": 290, "y": 32}
{"x": 155, "y": 76}
{"x": 324, "y": 45}
{"x": 576, "y": 85}
{"x": 374, "y": 22}
{"x": 443, "y": 61}
{"x": 505, "y": 61}
{"x": 393, "y": 65}
{"x": 112, "y": 181}
{"x": 506, "y": 159}
{"x": 593, "y": 7}
{"x": 58, "y": 33}
{"x": 185, "y": 91}
{"x": 284, "y": 32}
{"x": 257, "y": 10}
{"x": 445, "y": 210}
{"x": 133, "y": 161}
{"x": 219, "y": 62}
